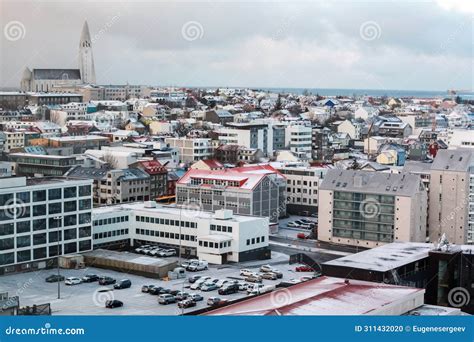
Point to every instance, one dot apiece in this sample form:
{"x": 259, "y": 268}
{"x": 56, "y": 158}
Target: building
{"x": 12, "y": 100}
{"x": 451, "y": 196}
{"x": 256, "y": 190}
{"x": 191, "y": 150}
{"x": 207, "y": 164}
{"x": 368, "y": 209}
{"x": 302, "y": 184}
{"x": 158, "y": 177}
{"x": 44, "y": 80}
{"x": 79, "y": 144}
{"x": 40, "y": 165}
{"x": 245, "y": 134}
{"x": 298, "y": 139}
{"x": 35, "y": 212}
{"x": 329, "y": 296}
{"x": 218, "y": 237}
{"x": 13, "y": 140}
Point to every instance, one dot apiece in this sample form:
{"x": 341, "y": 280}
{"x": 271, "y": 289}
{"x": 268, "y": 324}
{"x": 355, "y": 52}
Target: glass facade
{"x": 363, "y": 216}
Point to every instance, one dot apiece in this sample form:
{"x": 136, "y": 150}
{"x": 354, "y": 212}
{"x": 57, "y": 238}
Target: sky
{"x": 407, "y": 45}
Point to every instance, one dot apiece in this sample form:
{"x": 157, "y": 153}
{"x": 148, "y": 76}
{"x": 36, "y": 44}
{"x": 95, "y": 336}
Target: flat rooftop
{"x": 386, "y": 257}
{"x": 324, "y": 296}
{"x": 129, "y": 257}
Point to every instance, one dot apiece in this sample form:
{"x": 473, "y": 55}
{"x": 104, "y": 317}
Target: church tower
{"x": 86, "y": 59}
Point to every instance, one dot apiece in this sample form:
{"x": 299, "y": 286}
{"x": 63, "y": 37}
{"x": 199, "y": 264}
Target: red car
{"x": 302, "y": 236}
{"x": 304, "y": 269}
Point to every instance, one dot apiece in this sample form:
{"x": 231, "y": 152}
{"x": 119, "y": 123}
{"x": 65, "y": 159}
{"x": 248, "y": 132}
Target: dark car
{"x": 54, "y": 278}
{"x": 216, "y": 301}
{"x": 164, "y": 291}
{"x": 110, "y": 304}
{"x": 186, "y": 303}
{"x": 123, "y": 284}
{"x": 155, "y": 290}
{"x": 229, "y": 289}
{"x": 107, "y": 281}
{"x": 90, "y": 278}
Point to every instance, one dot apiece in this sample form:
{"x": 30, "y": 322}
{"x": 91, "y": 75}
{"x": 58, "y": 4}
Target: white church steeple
{"x": 86, "y": 58}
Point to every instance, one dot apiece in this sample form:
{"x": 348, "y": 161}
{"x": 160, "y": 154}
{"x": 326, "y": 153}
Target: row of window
{"x": 219, "y": 228}
{"x": 111, "y": 220}
{"x": 41, "y": 253}
{"x": 112, "y": 233}
{"x": 165, "y": 235}
{"x": 43, "y": 224}
{"x": 43, "y": 195}
{"x": 166, "y": 222}
{"x": 210, "y": 244}
{"x": 253, "y": 241}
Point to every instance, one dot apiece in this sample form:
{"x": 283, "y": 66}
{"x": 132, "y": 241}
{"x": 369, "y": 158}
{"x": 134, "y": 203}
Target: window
{"x": 70, "y": 206}
{"x": 39, "y": 253}
{"x": 70, "y": 234}
{"x": 6, "y": 229}
{"x": 85, "y": 204}
{"x": 23, "y": 197}
{"x": 39, "y": 239}
{"x": 54, "y": 194}
{"x": 70, "y": 192}
{"x": 23, "y": 227}
{"x": 6, "y": 199}
{"x": 39, "y": 210}
{"x": 23, "y": 241}
{"x": 85, "y": 232}
{"x": 84, "y": 190}
{"x": 54, "y": 208}
{"x": 85, "y": 245}
{"x": 248, "y": 242}
{"x": 23, "y": 256}
{"x": 7, "y": 258}
{"x": 85, "y": 218}
{"x": 53, "y": 236}
{"x": 39, "y": 196}
{"x": 70, "y": 248}
{"x": 7, "y": 244}
{"x": 39, "y": 224}
{"x": 70, "y": 220}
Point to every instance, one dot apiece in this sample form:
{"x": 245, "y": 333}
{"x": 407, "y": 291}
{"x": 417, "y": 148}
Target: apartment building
{"x": 36, "y": 213}
{"x": 158, "y": 177}
{"x": 40, "y": 165}
{"x": 298, "y": 139}
{"x": 13, "y": 140}
{"x": 368, "y": 209}
{"x": 451, "y": 195}
{"x": 217, "y": 237}
{"x": 256, "y": 190}
{"x": 249, "y": 135}
{"x": 191, "y": 150}
{"x": 302, "y": 184}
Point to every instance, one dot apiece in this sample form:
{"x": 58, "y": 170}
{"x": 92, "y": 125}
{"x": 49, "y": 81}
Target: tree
{"x": 278, "y": 103}
{"x": 111, "y": 160}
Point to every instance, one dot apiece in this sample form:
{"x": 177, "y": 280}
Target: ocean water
{"x": 371, "y": 92}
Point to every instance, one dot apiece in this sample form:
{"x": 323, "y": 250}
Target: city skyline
{"x": 293, "y": 46}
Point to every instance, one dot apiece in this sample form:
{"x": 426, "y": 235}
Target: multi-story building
{"x": 450, "y": 195}
{"x": 158, "y": 177}
{"x": 191, "y": 150}
{"x": 36, "y": 213}
{"x": 255, "y": 190}
{"x": 298, "y": 139}
{"x": 302, "y": 185}
{"x": 245, "y": 134}
{"x": 218, "y": 237}
{"x": 40, "y": 165}
{"x": 13, "y": 140}
{"x": 368, "y": 209}
{"x": 80, "y": 144}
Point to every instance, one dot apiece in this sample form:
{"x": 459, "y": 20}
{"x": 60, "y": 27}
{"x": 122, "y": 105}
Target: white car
{"x": 197, "y": 284}
{"x": 245, "y": 272}
{"x": 293, "y": 225}
{"x": 72, "y": 281}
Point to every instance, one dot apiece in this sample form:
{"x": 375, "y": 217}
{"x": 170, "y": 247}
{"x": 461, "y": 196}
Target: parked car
{"x": 253, "y": 278}
{"x": 244, "y": 286}
{"x": 147, "y": 288}
{"x": 200, "y": 266}
{"x": 197, "y": 284}
{"x": 123, "y": 284}
{"x": 72, "y": 281}
{"x": 166, "y": 299}
{"x": 196, "y": 297}
{"x": 223, "y": 282}
{"x": 302, "y": 236}
{"x": 54, "y": 278}
{"x": 174, "y": 292}
{"x": 245, "y": 272}
{"x": 304, "y": 268}
{"x": 155, "y": 290}
{"x": 293, "y": 225}
{"x": 186, "y": 303}
{"x": 155, "y": 252}
{"x": 208, "y": 286}
{"x": 182, "y": 295}
{"x": 141, "y": 249}
{"x": 305, "y": 278}
{"x": 90, "y": 278}
{"x": 266, "y": 268}
{"x": 107, "y": 280}
{"x": 315, "y": 215}
{"x": 167, "y": 253}
{"x": 254, "y": 287}
{"x": 308, "y": 221}
{"x": 216, "y": 301}
{"x": 262, "y": 289}
{"x": 164, "y": 291}
{"x": 228, "y": 289}
{"x": 115, "y": 303}
{"x": 269, "y": 276}
{"x": 186, "y": 263}
{"x": 193, "y": 278}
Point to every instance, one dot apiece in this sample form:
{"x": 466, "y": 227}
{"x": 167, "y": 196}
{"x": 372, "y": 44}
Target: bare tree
{"x": 111, "y": 160}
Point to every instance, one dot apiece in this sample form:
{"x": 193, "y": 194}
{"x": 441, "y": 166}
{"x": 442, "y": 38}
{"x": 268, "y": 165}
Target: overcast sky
{"x": 425, "y": 45}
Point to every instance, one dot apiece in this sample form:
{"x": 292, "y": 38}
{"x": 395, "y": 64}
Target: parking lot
{"x": 89, "y": 298}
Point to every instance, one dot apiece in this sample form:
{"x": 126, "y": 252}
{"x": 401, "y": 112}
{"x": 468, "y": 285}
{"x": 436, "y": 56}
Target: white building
{"x": 217, "y": 237}
{"x": 191, "y": 150}
{"x": 34, "y": 212}
{"x": 298, "y": 140}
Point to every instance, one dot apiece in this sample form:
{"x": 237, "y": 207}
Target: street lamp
{"x": 57, "y": 253}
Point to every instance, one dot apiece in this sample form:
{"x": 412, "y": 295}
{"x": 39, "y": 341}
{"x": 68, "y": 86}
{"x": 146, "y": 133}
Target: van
{"x": 259, "y": 289}
{"x": 123, "y": 284}
{"x": 200, "y": 266}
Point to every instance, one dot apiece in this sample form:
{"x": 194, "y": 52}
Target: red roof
{"x": 213, "y": 164}
{"x": 326, "y": 296}
{"x": 153, "y": 167}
